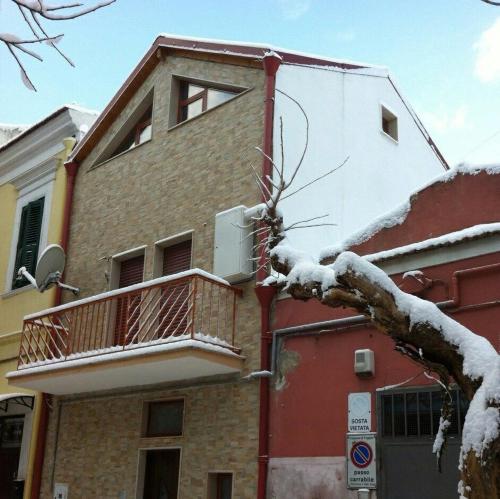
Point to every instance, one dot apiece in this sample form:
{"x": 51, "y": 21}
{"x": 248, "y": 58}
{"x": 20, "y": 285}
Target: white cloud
{"x": 487, "y": 67}
{"x": 293, "y": 9}
{"x": 444, "y": 121}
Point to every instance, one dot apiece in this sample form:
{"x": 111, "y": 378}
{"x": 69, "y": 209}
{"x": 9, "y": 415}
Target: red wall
{"x": 440, "y": 208}
{"x": 308, "y": 416}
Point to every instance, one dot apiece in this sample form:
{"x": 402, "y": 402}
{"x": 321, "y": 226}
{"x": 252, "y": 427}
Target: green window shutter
{"x": 29, "y": 240}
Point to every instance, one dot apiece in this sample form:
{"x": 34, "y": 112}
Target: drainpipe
{"x": 265, "y": 294}
{"x": 71, "y": 170}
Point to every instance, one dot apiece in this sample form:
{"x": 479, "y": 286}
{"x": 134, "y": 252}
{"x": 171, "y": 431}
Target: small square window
{"x": 220, "y": 486}
{"x": 389, "y": 123}
{"x": 165, "y": 418}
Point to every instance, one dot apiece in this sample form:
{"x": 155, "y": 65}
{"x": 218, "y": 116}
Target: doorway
{"x": 161, "y": 473}
{"x": 408, "y": 421}
{"x": 11, "y": 431}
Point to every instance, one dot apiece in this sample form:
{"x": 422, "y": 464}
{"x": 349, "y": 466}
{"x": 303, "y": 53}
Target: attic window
{"x": 195, "y": 98}
{"x": 389, "y": 123}
{"x": 136, "y": 130}
{"x": 140, "y": 133}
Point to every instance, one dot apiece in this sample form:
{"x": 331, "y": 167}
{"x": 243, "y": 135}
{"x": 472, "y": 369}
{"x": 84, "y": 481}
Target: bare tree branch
{"x": 31, "y": 11}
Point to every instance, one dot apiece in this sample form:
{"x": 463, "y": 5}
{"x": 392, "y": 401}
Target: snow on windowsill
{"x": 17, "y": 291}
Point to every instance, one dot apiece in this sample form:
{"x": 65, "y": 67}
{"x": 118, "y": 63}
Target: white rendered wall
{"x": 344, "y": 120}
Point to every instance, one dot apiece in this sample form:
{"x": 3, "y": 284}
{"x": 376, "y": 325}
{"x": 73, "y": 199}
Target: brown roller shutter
{"x": 174, "y": 318}
{"x": 177, "y": 258}
{"x": 131, "y": 271}
{"x": 127, "y": 308}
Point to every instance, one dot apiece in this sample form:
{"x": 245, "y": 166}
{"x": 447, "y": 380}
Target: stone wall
{"x": 176, "y": 182}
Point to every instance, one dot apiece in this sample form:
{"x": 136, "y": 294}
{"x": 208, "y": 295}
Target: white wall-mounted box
{"x": 364, "y": 362}
{"x": 233, "y": 245}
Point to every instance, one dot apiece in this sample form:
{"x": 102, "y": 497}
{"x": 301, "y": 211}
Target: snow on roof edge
{"x": 46, "y": 119}
{"x": 398, "y": 215}
{"x": 267, "y": 46}
{"x": 473, "y": 232}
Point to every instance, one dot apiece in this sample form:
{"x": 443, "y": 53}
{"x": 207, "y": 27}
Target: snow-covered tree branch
{"x": 32, "y": 12}
{"x": 420, "y": 330}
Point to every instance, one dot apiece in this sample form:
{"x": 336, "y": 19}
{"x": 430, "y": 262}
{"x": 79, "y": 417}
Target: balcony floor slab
{"x": 143, "y": 365}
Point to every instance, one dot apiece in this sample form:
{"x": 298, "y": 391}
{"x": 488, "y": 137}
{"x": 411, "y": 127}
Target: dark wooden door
{"x": 175, "y": 300}
{"x": 161, "y": 478}
{"x": 128, "y": 307}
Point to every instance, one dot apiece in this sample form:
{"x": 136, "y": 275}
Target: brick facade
{"x": 176, "y": 182}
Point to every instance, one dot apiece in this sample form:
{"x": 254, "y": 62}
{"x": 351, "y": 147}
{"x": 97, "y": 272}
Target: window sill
{"x": 17, "y": 291}
{"x": 97, "y": 165}
{"x": 387, "y": 136}
{"x": 146, "y": 440}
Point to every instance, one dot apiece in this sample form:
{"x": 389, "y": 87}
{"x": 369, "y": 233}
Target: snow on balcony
{"x": 169, "y": 329}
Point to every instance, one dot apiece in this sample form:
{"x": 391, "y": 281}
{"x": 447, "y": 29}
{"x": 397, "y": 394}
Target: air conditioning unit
{"x": 364, "y": 362}
{"x": 233, "y": 245}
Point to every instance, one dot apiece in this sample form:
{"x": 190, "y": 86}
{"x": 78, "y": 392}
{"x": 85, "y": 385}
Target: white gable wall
{"x": 344, "y": 115}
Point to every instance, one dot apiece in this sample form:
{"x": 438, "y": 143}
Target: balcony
{"x": 173, "y": 328}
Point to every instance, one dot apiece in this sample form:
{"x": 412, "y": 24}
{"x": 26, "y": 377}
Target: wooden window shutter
{"x": 174, "y": 315}
{"x": 29, "y": 240}
{"x": 131, "y": 271}
{"x": 177, "y": 258}
{"x": 128, "y": 307}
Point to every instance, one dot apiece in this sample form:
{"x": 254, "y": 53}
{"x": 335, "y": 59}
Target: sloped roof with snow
{"x": 28, "y": 129}
{"x": 250, "y": 53}
{"x": 465, "y": 201}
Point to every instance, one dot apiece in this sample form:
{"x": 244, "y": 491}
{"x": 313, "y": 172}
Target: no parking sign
{"x": 361, "y": 461}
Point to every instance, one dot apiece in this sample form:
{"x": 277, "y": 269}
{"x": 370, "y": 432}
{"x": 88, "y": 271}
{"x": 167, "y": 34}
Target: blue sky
{"x": 445, "y": 54}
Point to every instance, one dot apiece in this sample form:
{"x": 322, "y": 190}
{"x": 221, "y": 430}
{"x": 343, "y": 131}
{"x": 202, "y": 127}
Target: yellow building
{"x": 32, "y": 196}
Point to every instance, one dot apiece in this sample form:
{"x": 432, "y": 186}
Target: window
{"x": 220, "y": 485}
{"x": 28, "y": 241}
{"x": 389, "y": 123}
{"x": 141, "y": 132}
{"x": 416, "y": 413}
{"x": 128, "y": 306}
{"x": 136, "y": 130}
{"x": 196, "y": 98}
{"x": 11, "y": 431}
{"x": 165, "y": 418}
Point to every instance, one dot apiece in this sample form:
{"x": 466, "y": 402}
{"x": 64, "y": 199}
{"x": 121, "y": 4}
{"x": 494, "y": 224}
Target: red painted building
{"x": 450, "y": 232}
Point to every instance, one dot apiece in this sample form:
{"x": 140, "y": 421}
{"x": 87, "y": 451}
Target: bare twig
{"x": 306, "y": 221}
{"x": 31, "y": 11}
{"x": 316, "y": 179}
{"x": 297, "y": 168}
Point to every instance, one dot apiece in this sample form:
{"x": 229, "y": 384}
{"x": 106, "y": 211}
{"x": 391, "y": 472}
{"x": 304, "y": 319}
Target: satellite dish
{"x": 51, "y": 262}
{"x": 49, "y": 270}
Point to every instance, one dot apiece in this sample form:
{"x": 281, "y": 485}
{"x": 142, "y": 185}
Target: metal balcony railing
{"x": 192, "y": 305}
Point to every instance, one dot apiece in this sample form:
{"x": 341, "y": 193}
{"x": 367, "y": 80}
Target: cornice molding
{"x": 35, "y": 151}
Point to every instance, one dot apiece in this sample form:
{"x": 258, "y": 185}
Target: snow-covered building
{"x": 154, "y": 367}
{"x": 32, "y": 191}
{"x": 8, "y": 131}
{"x": 335, "y": 374}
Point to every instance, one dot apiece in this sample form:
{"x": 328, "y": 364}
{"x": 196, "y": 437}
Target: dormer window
{"x": 194, "y": 99}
